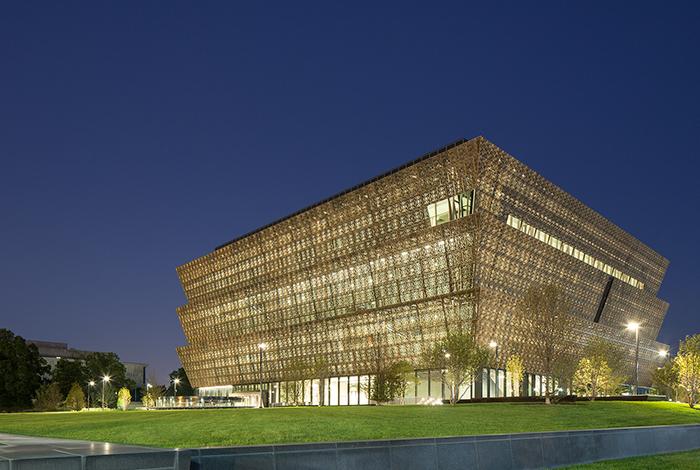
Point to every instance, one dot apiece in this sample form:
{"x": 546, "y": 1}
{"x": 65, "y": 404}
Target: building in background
{"x": 452, "y": 238}
{"x": 52, "y": 352}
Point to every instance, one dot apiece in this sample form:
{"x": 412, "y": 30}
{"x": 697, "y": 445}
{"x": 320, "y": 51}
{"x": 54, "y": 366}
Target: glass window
{"x": 442, "y": 212}
{"x": 423, "y": 379}
{"x": 364, "y": 388}
{"x": 493, "y": 383}
{"x": 354, "y": 397}
{"x": 452, "y": 208}
{"x": 431, "y": 214}
{"x": 315, "y": 391}
{"x": 343, "y": 394}
{"x": 410, "y": 392}
{"x": 436, "y": 384}
{"x": 334, "y": 391}
{"x": 307, "y": 391}
{"x": 465, "y": 391}
{"x": 327, "y": 391}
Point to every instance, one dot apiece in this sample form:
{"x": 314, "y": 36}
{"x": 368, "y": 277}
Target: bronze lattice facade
{"x": 454, "y": 237}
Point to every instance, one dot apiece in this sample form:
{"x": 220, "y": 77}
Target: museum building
{"x": 450, "y": 240}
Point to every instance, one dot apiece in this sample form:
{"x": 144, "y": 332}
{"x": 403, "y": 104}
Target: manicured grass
{"x": 226, "y": 427}
{"x": 685, "y": 460}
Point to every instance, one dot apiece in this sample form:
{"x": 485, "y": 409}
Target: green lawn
{"x": 225, "y": 427}
{"x": 685, "y": 460}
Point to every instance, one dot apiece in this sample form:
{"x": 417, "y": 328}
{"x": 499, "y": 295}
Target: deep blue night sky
{"x": 137, "y": 136}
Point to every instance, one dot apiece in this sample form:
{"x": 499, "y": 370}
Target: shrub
{"x": 123, "y": 399}
{"x": 76, "y": 398}
{"x": 48, "y": 397}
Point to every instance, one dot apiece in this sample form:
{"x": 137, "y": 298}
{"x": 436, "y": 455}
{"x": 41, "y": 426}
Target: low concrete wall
{"x": 45, "y": 453}
{"x": 503, "y": 451}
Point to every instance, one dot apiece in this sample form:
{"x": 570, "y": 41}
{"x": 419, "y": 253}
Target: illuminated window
{"x": 452, "y": 208}
{"x": 570, "y": 250}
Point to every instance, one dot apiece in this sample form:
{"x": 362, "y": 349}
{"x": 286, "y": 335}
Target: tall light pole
{"x": 148, "y": 386}
{"x": 90, "y": 385}
{"x": 634, "y": 326}
{"x": 105, "y": 379}
{"x": 176, "y": 381}
{"x": 261, "y": 348}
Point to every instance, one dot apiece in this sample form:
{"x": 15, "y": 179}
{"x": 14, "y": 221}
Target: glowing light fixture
{"x": 634, "y": 326}
{"x": 105, "y": 378}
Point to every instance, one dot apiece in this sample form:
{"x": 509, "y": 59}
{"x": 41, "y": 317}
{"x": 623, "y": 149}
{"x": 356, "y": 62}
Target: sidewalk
{"x": 24, "y": 452}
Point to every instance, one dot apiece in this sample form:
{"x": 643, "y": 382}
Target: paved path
{"x": 24, "y": 452}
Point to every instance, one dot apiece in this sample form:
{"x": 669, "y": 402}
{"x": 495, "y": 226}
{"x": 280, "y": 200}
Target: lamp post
{"x": 261, "y": 348}
{"x": 176, "y": 381}
{"x": 105, "y": 379}
{"x": 148, "y": 386}
{"x": 634, "y": 326}
{"x": 90, "y": 385}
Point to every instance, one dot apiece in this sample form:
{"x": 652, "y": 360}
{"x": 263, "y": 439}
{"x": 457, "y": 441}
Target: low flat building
{"x": 53, "y": 351}
{"x": 451, "y": 240}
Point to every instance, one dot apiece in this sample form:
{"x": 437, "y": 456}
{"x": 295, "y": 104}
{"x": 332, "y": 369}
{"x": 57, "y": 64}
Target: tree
{"x": 68, "y": 372}
{"x": 406, "y": 376}
{"x": 294, "y": 374}
{"x": 183, "y": 388}
{"x": 515, "y": 369}
{"x": 76, "y": 398}
{"x": 590, "y": 375}
{"x": 545, "y": 316}
{"x": 688, "y": 363}
{"x": 123, "y": 399}
{"x": 565, "y": 369}
{"x": 599, "y": 371}
{"x": 150, "y": 398}
{"x": 389, "y": 382}
{"x": 459, "y": 357}
{"x": 48, "y": 397}
{"x": 21, "y": 371}
{"x": 99, "y": 365}
{"x": 665, "y": 379}
{"x": 322, "y": 370}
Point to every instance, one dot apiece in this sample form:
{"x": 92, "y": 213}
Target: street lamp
{"x": 261, "y": 348}
{"x": 663, "y": 353}
{"x": 148, "y": 386}
{"x": 634, "y": 326}
{"x": 105, "y": 379}
{"x": 90, "y": 385}
{"x": 176, "y": 381}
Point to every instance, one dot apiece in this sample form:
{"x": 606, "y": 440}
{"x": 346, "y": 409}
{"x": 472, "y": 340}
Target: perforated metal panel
{"x": 367, "y": 264}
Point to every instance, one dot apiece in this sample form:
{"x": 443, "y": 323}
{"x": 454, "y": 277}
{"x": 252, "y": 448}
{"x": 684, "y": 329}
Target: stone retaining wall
{"x": 502, "y": 451}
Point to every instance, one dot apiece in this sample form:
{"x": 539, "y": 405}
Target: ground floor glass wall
{"x": 425, "y": 387}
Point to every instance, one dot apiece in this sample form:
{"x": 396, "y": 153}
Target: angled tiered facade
{"x": 453, "y": 238}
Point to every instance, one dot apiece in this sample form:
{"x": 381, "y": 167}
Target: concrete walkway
{"x": 43, "y": 453}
